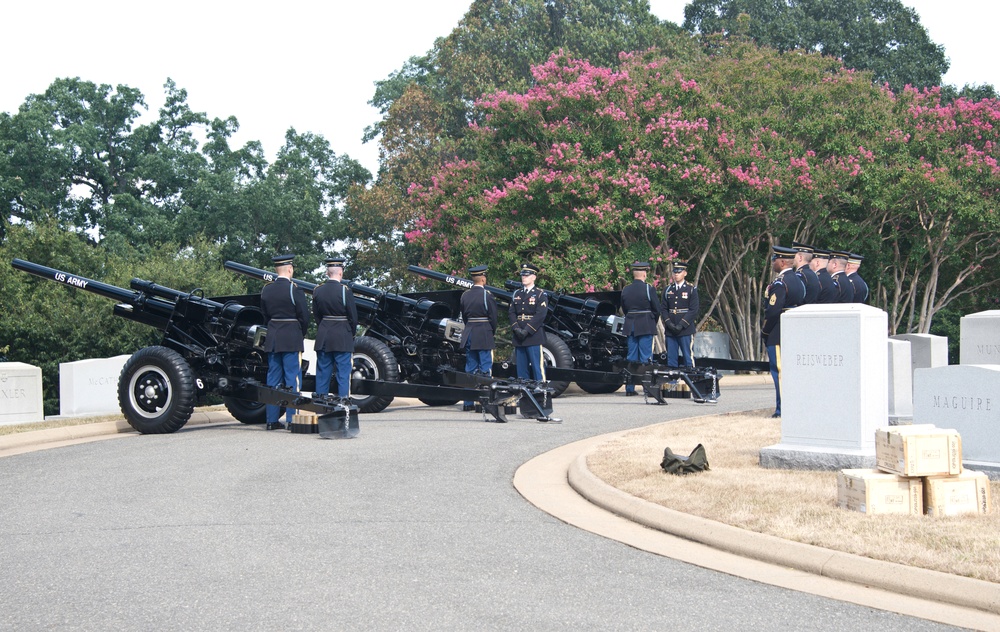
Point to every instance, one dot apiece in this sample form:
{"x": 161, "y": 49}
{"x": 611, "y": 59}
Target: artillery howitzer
{"x": 416, "y": 340}
{"x": 209, "y": 347}
{"x": 584, "y": 343}
{"x": 581, "y": 333}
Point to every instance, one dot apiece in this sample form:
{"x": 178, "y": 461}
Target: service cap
{"x": 854, "y": 258}
{"x": 528, "y": 268}
{"x": 640, "y": 266}
{"x": 799, "y": 247}
{"x": 334, "y": 262}
{"x": 821, "y": 253}
{"x": 282, "y": 260}
{"x": 680, "y": 266}
{"x": 478, "y": 270}
{"x": 782, "y": 252}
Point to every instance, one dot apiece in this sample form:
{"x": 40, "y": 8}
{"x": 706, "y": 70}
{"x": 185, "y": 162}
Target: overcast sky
{"x": 307, "y": 65}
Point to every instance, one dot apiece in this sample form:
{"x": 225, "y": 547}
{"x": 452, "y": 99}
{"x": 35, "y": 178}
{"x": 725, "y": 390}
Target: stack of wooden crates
{"x": 919, "y": 472}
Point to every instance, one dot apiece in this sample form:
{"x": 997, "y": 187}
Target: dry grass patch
{"x": 790, "y": 504}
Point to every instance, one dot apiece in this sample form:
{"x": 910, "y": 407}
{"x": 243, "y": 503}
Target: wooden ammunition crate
{"x": 875, "y": 492}
{"x": 920, "y": 450}
{"x": 966, "y": 493}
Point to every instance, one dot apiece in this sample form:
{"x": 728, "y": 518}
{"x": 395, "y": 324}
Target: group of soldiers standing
{"x": 806, "y": 275}
{"x": 803, "y": 275}
{"x": 284, "y": 307}
{"x": 677, "y": 308}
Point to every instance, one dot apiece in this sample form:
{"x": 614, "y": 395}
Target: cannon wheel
{"x": 156, "y": 390}
{"x": 555, "y": 352}
{"x": 373, "y": 361}
{"x": 245, "y": 411}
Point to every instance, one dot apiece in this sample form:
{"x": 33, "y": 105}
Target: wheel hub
{"x": 151, "y": 392}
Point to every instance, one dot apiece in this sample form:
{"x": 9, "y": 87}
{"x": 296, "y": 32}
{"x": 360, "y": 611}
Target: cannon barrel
{"x": 264, "y": 275}
{"x": 148, "y": 302}
{"x": 75, "y": 280}
{"x": 502, "y": 295}
{"x": 358, "y": 289}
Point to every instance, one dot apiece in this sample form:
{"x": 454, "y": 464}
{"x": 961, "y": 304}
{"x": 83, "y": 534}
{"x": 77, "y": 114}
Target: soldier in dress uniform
{"x": 528, "y": 308}
{"x": 827, "y": 289}
{"x": 679, "y": 309}
{"x": 838, "y": 270}
{"x": 479, "y": 312}
{"x": 642, "y": 309}
{"x": 287, "y": 318}
{"x": 803, "y": 257}
{"x": 859, "y": 285}
{"x": 784, "y": 293}
{"x": 337, "y": 318}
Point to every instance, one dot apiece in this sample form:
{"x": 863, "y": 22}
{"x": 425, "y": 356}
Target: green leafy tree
{"x": 882, "y": 36}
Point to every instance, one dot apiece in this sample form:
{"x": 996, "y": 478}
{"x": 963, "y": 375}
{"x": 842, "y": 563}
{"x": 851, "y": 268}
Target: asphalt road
{"x": 414, "y": 525}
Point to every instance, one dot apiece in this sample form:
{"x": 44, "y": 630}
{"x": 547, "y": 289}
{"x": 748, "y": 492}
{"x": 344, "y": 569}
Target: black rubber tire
{"x": 156, "y": 390}
{"x": 598, "y": 388}
{"x": 373, "y": 360}
{"x": 554, "y": 352}
{"x": 245, "y": 411}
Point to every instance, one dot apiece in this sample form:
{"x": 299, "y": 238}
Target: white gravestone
{"x": 711, "y": 344}
{"x": 90, "y": 387}
{"x": 900, "y": 383}
{"x": 926, "y": 350}
{"x": 834, "y": 387}
{"x": 979, "y": 341}
{"x": 966, "y": 398}
{"x": 20, "y": 393}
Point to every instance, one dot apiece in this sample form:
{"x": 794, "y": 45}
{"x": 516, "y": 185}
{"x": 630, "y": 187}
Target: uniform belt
{"x": 478, "y": 320}
{"x": 644, "y": 311}
{"x": 677, "y": 311}
{"x": 524, "y": 316}
{"x": 285, "y": 320}
{"x": 336, "y": 318}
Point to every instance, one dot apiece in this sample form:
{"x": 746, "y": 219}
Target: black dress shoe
{"x": 630, "y": 393}
{"x": 274, "y": 425}
{"x": 467, "y": 408}
{"x": 776, "y": 416}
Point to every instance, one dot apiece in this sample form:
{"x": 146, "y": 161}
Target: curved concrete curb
{"x": 915, "y": 582}
{"x": 65, "y": 435}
